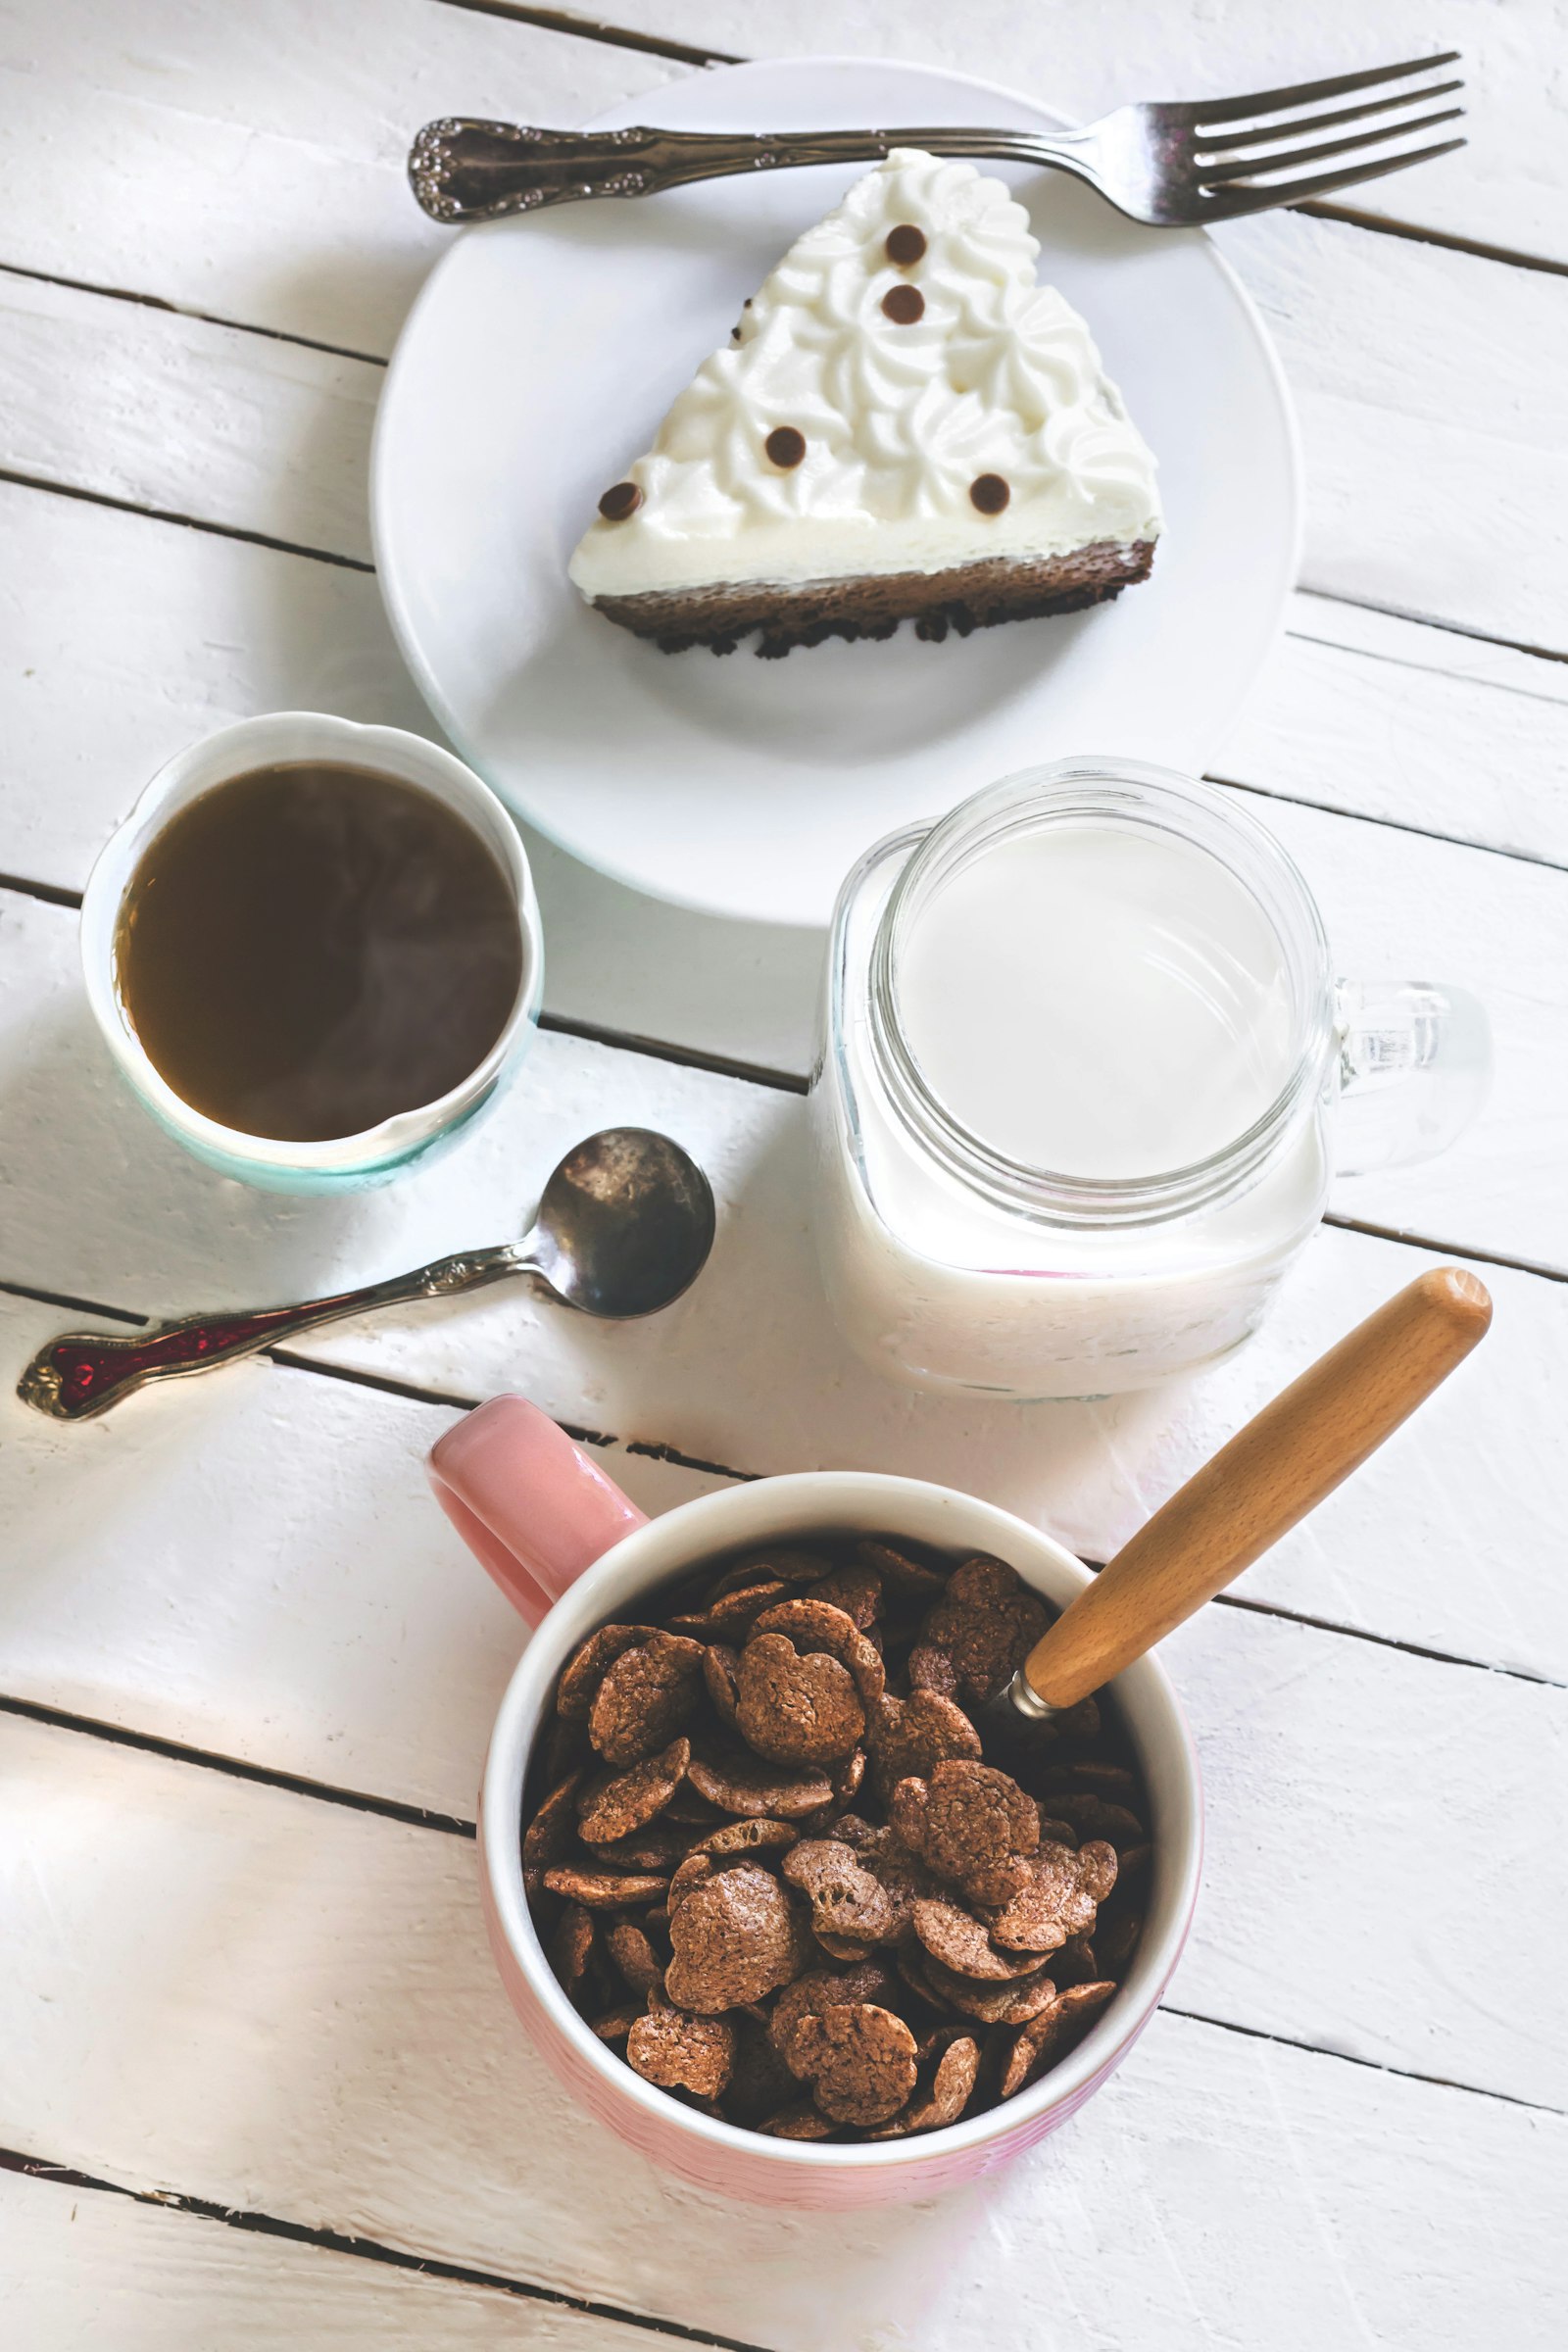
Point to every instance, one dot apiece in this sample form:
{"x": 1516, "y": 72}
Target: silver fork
{"x": 1171, "y": 166}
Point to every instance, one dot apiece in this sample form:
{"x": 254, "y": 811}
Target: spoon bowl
{"x": 625, "y": 1224}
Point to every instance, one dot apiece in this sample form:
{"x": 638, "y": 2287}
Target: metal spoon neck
{"x": 1022, "y": 1696}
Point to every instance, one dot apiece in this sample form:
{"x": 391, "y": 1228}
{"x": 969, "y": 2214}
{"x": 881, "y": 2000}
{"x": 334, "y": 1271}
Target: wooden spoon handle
{"x": 1270, "y": 1474}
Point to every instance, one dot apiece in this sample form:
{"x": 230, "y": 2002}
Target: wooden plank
{"x": 348, "y": 1634}
{"x": 250, "y": 163}
{"x": 1399, "y": 906}
{"x": 195, "y": 158}
{"x": 246, "y": 431}
{"x": 1396, "y": 352}
{"x": 361, "y": 1646}
{"x": 85, "y": 2269}
{"x": 1429, "y": 488}
{"x": 1380, "y": 717}
{"x": 1505, "y": 189}
{"x": 167, "y": 1579}
{"x": 127, "y": 638}
{"x": 281, "y": 2005}
{"x": 1396, "y": 905}
{"x": 748, "y": 1370}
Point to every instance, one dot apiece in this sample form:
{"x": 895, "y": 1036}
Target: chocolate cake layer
{"x": 965, "y": 597}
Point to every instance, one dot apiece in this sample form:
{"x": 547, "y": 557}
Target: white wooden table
{"x": 259, "y": 2084}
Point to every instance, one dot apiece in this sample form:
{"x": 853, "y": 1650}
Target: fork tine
{"x": 1296, "y": 124}
{"x": 1230, "y": 204}
{"x": 1308, "y": 93}
{"x": 1251, "y": 166}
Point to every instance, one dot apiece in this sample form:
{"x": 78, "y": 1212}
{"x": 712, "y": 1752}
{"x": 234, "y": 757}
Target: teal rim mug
{"x": 280, "y": 737}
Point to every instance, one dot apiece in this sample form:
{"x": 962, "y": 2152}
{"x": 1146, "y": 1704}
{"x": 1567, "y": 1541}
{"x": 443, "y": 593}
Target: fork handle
{"x": 461, "y": 169}
{"x": 84, "y": 1372}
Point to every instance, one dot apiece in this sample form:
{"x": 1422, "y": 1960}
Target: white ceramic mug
{"x": 571, "y": 1551}
{"x": 280, "y": 737}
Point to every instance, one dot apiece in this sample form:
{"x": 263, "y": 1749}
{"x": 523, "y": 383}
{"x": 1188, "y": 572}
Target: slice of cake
{"x": 903, "y": 426}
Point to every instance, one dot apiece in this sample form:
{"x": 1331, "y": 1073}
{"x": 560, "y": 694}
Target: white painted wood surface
{"x": 83, "y": 2271}
{"x": 270, "y": 1998}
{"x": 1326, "y": 1868}
{"x": 747, "y": 1371}
{"x": 319, "y": 2034}
{"x": 1505, "y": 191}
{"x": 1417, "y": 372}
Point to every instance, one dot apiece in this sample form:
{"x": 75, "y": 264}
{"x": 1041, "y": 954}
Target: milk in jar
{"x": 1069, "y": 1116}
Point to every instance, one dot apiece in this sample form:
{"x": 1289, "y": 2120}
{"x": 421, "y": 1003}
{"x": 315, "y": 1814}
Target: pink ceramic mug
{"x": 571, "y": 1551}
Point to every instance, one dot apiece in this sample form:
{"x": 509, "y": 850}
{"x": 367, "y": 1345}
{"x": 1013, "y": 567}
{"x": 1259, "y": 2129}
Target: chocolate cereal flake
{"x": 816, "y": 1624}
{"x": 786, "y": 1869}
{"x": 959, "y": 1940}
{"x": 735, "y": 1938}
{"x": 755, "y": 1836}
{"x": 585, "y": 1669}
{"x": 644, "y": 1697}
{"x": 911, "y": 1736}
{"x": 803, "y": 2121}
{"x": 604, "y": 1890}
{"x": 991, "y": 2004}
{"x": 1056, "y": 1901}
{"x": 846, "y": 1902}
{"x": 823, "y": 1988}
{"x": 970, "y": 1825}
{"x": 985, "y": 1624}
{"x": 858, "y": 2059}
{"x": 793, "y": 1709}
{"x": 681, "y": 2052}
{"x": 619, "y": 1803}
{"x": 549, "y": 1835}
{"x": 739, "y": 1782}
{"x": 634, "y": 1955}
{"x": 951, "y": 2084}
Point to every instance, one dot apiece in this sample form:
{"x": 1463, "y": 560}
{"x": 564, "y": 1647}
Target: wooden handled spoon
{"x": 1270, "y": 1474}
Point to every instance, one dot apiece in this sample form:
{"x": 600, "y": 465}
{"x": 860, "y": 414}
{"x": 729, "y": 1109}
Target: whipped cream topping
{"x": 902, "y": 416}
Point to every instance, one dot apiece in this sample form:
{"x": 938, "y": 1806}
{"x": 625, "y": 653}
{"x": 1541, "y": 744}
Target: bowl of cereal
{"x": 772, "y": 1887}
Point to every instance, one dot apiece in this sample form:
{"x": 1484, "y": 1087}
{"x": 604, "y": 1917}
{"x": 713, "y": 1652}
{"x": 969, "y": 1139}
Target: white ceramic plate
{"x": 536, "y": 364}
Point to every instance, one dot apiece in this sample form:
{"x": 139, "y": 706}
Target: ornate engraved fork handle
{"x": 464, "y": 169}
{"x": 84, "y": 1372}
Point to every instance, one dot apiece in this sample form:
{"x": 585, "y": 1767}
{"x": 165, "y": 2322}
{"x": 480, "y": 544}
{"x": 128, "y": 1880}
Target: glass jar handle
{"x": 1415, "y": 1067}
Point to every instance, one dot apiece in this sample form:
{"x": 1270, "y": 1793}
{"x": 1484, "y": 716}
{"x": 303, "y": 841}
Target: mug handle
{"x": 1415, "y": 1067}
{"x": 528, "y": 1501}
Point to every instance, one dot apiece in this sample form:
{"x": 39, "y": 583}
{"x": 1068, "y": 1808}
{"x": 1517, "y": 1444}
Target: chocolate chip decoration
{"x": 904, "y": 305}
{"x": 781, "y": 1867}
{"x": 621, "y": 500}
{"x": 906, "y": 245}
{"x": 785, "y": 445}
{"x": 988, "y": 493}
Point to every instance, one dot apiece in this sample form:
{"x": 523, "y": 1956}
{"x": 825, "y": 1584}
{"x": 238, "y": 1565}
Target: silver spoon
{"x": 623, "y": 1227}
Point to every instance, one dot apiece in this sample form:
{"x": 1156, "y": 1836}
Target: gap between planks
{"x": 366, "y": 2249}
{"x": 450, "y": 1825}
{"x": 567, "y": 22}
{"x": 186, "y": 522}
{"x": 792, "y": 1082}
{"x": 1422, "y": 620}
{"x": 51, "y": 487}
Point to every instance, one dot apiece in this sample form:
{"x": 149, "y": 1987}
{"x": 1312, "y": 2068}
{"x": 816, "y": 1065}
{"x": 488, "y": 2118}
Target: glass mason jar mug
{"x": 1085, "y": 1075}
